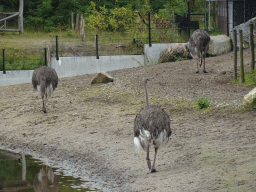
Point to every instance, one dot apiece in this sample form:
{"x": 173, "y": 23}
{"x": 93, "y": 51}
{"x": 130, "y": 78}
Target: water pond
{"x": 22, "y": 173}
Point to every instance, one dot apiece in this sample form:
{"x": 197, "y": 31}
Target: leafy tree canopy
{"x": 49, "y": 14}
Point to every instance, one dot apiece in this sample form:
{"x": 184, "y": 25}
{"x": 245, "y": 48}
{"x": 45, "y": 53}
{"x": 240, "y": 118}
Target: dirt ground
{"x": 89, "y": 129}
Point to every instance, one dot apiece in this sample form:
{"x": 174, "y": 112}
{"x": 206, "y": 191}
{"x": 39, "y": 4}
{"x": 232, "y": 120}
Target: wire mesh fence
{"x": 21, "y": 59}
{"x": 129, "y": 41}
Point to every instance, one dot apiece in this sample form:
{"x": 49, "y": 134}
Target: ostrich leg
{"x": 200, "y": 59}
{"x": 197, "y": 62}
{"x": 44, "y": 110}
{"x": 204, "y": 55}
{"x": 148, "y": 160}
{"x": 153, "y": 167}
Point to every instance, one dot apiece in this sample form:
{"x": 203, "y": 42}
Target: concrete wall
{"x": 152, "y": 53}
{"x": 15, "y": 77}
{"x": 72, "y": 66}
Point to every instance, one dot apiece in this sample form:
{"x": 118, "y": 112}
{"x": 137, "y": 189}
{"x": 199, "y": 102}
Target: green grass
{"x": 215, "y": 32}
{"x": 250, "y": 79}
{"x": 203, "y": 102}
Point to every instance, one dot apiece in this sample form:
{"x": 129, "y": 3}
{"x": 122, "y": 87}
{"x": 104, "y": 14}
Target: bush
{"x": 70, "y": 32}
{"x": 203, "y": 102}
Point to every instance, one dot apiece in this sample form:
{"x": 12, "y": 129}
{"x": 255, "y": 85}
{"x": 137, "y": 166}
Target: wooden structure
{"x": 233, "y": 12}
{"x": 9, "y": 15}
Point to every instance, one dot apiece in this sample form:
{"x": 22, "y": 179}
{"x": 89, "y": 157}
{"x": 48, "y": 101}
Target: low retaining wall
{"x": 72, "y": 66}
{"x": 15, "y": 77}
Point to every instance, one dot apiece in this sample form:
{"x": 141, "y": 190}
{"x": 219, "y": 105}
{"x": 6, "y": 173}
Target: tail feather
{"x": 143, "y": 140}
{"x": 160, "y": 138}
{"x": 137, "y": 144}
{"x": 41, "y": 88}
{"x": 49, "y": 90}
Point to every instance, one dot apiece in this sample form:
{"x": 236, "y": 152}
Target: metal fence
{"x": 128, "y": 42}
{"x": 22, "y": 59}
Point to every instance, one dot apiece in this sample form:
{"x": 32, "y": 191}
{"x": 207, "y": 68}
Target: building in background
{"x": 231, "y": 13}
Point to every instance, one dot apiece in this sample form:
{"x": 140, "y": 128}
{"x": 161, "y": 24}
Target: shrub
{"x": 70, "y": 32}
{"x": 203, "y": 102}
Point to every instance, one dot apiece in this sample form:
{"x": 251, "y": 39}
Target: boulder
{"x": 170, "y": 53}
{"x": 102, "y": 77}
{"x": 245, "y": 28}
{"x": 219, "y": 44}
{"x": 250, "y": 99}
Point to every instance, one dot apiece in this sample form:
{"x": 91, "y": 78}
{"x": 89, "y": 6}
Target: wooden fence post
{"x": 72, "y": 21}
{"x": 252, "y": 47}
{"x": 82, "y": 27}
{"x": 241, "y": 55}
{"x": 77, "y": 22}
{"x": 235, "y": 53}
{"x": 20, "y": 20}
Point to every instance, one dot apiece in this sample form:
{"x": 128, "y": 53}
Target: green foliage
{"x": 203, "y": 102}
{"x": 250, "y": 79}
{"x": 95, "y": 19}
{"x": 70, "y": 32}
{"x": 180, "y": 58}
{"x": 121, "y": 18}
{"x": 215, "y": 32}
{"x": 177, "y": 6}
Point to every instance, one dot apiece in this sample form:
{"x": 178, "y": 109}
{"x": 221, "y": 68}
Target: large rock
{"x": 171, "y": 53}
{"x": 250, "y": 99}
{"x": 219, "y": 45}
{"x": 245, "y": 28}
{"x": 102, "y": 77}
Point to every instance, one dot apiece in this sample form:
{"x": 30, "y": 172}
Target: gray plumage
{"x": 198, "y": 45}
{"x": 152, "y": 124}
{"x": 45, "y": 81}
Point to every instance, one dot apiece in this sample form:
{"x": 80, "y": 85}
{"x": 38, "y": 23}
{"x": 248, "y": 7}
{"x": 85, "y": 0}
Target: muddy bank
{"x": 89, "y": 129}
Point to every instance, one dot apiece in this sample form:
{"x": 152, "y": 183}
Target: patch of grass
{"x": 250, "y": 79}
{"x": 203, "y": 102}
{"x": 22, "y": 59}
{"x": 180, "y": 58}
{"x": 215, "y": 32}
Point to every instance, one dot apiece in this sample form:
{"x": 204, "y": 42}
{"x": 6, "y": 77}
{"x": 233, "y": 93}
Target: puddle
{"x": 22, "y": 173}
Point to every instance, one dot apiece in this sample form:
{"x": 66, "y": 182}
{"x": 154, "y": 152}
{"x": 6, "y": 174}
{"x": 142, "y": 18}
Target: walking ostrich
{"x": 198, "y": 45}
{"x": 45, "y": 80}
{"x": 152, "y": 124}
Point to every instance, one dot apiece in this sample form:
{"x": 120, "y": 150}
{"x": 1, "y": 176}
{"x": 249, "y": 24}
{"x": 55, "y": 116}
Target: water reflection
{"x": 22, "y": 173}
{"x": 46, "y": 181}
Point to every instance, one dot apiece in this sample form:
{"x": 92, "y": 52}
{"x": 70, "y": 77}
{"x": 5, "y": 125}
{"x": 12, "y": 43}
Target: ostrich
{"x": 45, "y": 80}
{"x": 198, "y": 45}
{"x": 152, "y": 124}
